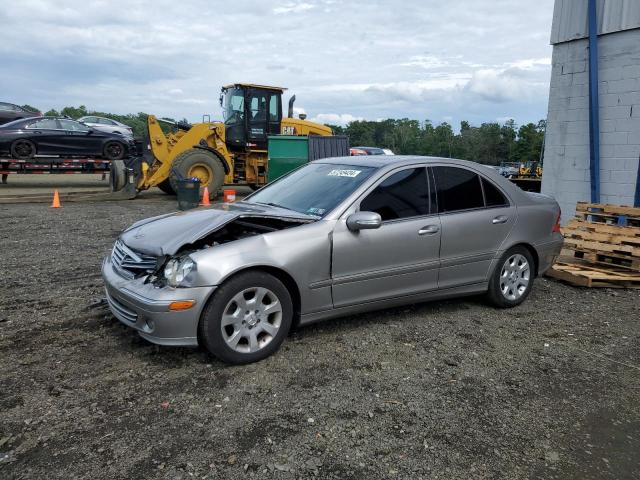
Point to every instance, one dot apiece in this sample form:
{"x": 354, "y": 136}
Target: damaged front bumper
{"x": 145, "y": 308}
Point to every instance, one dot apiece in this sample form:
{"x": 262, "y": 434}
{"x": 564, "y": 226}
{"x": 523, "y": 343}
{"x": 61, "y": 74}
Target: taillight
{"x": 556, "y": 227}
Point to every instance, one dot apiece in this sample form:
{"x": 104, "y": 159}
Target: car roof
{"x": 379, "y": 161}
{"x": 390, "y": 162}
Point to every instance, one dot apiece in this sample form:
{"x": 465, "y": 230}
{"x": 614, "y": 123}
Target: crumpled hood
{"x": 165, "y": 234}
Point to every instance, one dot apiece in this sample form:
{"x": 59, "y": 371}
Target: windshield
{"x": 315, "y": 189}
{"x": 233, "y": 106}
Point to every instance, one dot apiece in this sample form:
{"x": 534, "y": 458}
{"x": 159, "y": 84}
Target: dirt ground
{"x": 443, "y": 390}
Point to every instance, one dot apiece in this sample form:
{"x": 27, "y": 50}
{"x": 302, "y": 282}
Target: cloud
{"x": 292, "y": 8}
{"x": 470, "y": 59}
{"x": 335, "y": 118}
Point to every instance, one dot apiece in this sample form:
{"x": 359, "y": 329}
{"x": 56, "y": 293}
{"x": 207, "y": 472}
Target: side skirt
{"x": 461, "y": 291}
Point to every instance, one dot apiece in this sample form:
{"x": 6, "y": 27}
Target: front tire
{"x": 247, "y": 319}
{"x": 512, "y": 280}
{"x": 114, "y": 150}
{"x": 23, "y": 149}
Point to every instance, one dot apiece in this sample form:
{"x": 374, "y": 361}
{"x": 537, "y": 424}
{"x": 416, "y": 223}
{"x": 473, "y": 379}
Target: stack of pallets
{"x": 602, "y": 247}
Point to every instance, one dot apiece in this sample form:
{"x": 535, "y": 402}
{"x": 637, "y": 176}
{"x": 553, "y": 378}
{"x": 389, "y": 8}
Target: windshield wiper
{"x": 271, "y": 204}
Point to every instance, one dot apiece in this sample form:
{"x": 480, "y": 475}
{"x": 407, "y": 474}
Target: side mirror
{"x": 90, "y": 131}
{"x": 363, "y": 221}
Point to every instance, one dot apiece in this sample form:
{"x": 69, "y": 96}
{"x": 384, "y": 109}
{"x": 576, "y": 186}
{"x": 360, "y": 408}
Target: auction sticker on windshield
{"x": 344, "y": 173}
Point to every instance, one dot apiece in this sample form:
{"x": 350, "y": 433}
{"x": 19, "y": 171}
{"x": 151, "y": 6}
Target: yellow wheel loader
{"x": 229, "y": 152}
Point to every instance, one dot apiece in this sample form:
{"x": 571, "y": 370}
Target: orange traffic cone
{"x": 56, "y": 200}
{"x": 205, "y": 197}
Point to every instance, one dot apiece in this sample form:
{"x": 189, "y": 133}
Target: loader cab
{"x": 251, "y": 113}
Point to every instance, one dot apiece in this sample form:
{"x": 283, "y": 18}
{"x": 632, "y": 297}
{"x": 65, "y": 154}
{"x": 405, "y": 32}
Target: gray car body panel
{"x": 336, "y": 271}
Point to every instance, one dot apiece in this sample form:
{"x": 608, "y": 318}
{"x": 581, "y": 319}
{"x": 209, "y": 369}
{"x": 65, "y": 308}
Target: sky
{"x": 475, "y": 60}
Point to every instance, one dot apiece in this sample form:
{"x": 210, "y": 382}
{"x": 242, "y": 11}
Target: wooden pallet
{"x": 607, "y": 259}
{"x": 602, "y": 247}
{"x": 598, "y": 232}
{"x": 583, "y": 275}
{"x": 620, "y": 215}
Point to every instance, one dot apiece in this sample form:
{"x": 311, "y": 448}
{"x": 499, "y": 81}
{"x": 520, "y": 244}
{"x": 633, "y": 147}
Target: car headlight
{"x": 177, "y": 270}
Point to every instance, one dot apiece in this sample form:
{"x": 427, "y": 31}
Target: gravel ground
{"x": 451, "y": 389}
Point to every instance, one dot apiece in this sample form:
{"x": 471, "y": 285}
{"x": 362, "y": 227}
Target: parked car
{"x": 508, "y": 170}
{"x": 107, "y": 125}
{"x": 23, "y": 139}
{"x": 10, "y": 112}
{"x": 355, "y": 151}
{"x": 337, "y": 236}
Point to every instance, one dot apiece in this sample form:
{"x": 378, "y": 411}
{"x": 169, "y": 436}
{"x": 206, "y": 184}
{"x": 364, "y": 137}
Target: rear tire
{"x": 23, "y": 149}
{"x": 114, "y": 150}
{"x": 247, "y": 318}
{"x": 202, "y": 164}
{"x": 117, "y": 175}
{"x": 166, "y": 187}
{"x": 512, "y": 279}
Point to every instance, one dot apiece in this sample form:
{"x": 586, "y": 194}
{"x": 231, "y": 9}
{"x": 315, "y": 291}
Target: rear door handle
{"x": 500, "y": 219}
{"x": 429, "y": 230}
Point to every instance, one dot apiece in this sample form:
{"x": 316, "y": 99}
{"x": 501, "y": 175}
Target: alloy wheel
{"x": 114, "y": 150}
{"x": 514, "y": 277}
{"x": 251, "y": 320}
{"x": 23, "y": 149}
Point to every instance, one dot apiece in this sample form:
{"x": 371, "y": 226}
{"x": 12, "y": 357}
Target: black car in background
{"x": 10, "y": 112}
{"x": 22, "y": 139}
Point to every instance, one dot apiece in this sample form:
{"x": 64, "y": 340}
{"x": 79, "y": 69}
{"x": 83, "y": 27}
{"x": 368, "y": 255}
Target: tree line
{"x": 491, "y": 143}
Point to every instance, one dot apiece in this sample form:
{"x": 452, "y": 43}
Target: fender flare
{"x": 225, "y": 165}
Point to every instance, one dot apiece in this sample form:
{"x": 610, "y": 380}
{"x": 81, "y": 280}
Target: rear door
{"x": 399, "y": 258}
{"x": 476, "y": 217}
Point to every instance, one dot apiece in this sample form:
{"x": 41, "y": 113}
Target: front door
{"x": 476, "y": 218}
{"x": 399, "y": 258}
{"x": 81, "y": 140}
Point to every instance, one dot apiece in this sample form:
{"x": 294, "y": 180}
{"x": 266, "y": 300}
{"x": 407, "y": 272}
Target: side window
{"x": 258, "y": 107}
{"x": 106, "y": 121}
{"x": 402, "y": 195}
{"x": 45, "y": 123}
{"x": 458, "y": 189}
{"x": 72, "y": 126}
{"x": 492, "y": 196}
{"x": 273, "y": 108}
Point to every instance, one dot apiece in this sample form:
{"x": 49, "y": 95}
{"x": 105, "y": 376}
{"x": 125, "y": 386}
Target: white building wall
{"x": 566, "y": 156}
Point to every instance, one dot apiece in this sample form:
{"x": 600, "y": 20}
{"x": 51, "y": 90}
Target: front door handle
{"x": 500, "y": 219}
{"x": 429, "y": 230}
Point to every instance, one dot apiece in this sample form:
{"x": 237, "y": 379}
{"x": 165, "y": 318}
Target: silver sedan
{"x": 107, "y": 125}
{"x": 335, "y": 237}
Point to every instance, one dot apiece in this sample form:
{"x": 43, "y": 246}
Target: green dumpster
{"x": 286, "y": 152}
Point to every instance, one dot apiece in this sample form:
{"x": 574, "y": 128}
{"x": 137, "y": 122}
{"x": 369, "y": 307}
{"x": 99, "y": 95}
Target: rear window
{"x": 458, "y": 189}
{"x": 492, "y": 196}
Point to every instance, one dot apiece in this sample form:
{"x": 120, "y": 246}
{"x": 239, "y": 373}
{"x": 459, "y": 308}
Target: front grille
{"x": 130, "y": 263}
{"x": 120, "y": 310}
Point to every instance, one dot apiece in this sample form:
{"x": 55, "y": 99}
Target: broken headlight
{"x": 177, "y": 270}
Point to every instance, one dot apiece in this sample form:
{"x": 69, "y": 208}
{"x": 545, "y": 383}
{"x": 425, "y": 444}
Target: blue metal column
{"x": 594, "y": 110}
